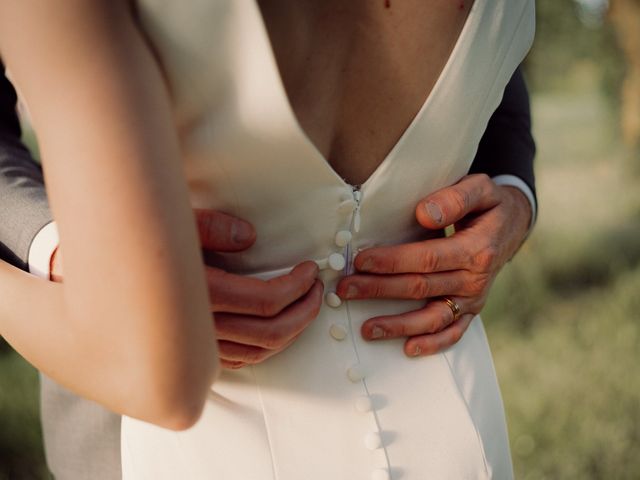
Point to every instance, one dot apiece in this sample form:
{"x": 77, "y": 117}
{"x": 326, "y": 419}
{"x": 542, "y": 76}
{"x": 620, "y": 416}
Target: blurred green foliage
{"x": 563, "y": 319}
{"x": 574, "y": 52}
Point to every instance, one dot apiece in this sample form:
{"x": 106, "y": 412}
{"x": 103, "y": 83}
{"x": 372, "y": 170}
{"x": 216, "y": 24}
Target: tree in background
{"x": 625, "y": 18}
{"x": 582, "y": 44}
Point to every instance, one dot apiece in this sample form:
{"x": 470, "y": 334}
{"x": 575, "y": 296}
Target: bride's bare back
{"x": 357, "y": 72}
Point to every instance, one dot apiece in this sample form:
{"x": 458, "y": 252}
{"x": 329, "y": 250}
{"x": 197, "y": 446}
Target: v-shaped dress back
{"x": 331, "y": 406}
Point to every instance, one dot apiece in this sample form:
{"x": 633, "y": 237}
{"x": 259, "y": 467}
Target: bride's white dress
{"x": 332, "y": 406}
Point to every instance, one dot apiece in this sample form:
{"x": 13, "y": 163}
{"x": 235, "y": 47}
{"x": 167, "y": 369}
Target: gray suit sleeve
{"x": 24, "y": 208}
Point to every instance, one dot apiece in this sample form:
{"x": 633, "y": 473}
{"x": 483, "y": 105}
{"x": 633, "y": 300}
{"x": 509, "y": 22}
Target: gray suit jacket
{"x": 82, "y": 439}
{"x": 24, "y": 203}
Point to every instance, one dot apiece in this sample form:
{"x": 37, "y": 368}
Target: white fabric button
{"x": 355, "y": 373}
{"x": 380, "y": 474}
{"x": 343, "y": 237}
{"x": 348, "y": 206}
{"x": 337, "y": 261}
{"x": 364, "y": 404}
{"x": 333, "y": 300}
{"x": 338, "y": 331}
{"x": 373, "y": 441}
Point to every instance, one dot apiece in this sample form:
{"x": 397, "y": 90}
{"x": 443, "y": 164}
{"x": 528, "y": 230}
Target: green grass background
{"x": 564, "y": 316}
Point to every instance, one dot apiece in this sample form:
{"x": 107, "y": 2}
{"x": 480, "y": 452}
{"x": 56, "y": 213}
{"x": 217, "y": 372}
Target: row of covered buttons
{"x": 336, "y": 261}
{"x": 339, "y": 332}
{"x": 343, "y": 237}
{"x": 373, "y": 440}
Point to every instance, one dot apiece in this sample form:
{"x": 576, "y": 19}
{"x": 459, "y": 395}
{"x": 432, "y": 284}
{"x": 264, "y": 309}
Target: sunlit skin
{"x": 357, "y": 73}
{"x": 139, "y": 313}
{"x": 130, "y": 326}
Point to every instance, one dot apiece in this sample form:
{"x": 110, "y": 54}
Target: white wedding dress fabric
{"x": 331, "y": 406}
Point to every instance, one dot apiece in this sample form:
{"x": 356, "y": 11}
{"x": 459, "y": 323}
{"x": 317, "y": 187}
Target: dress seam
{"x": 466, "y": 404}
{"x": 125, "y": 450}
{"x": 266, "y": 425}
{"x": 184, "y": 460}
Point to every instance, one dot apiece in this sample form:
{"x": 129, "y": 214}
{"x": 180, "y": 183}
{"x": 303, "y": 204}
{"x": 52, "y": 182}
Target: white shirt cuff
{"x": 517, "y": 182}
{"x": 42, "y": 247}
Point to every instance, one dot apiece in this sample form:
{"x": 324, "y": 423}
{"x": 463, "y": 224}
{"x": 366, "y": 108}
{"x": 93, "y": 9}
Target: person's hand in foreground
{"x": 254, "y": 319}
{"x": 491, "y": 223}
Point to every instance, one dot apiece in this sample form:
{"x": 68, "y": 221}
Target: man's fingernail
{"x": 352, "y": 291}
{"x": 417, "y": 351}
{"x": 377, "y": 332}
{"x": 367, "y": 264}
{"x": 241, "y": 232}
{"x": 434, "y": 212}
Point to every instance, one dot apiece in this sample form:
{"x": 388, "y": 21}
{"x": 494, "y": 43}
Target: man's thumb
{"x": 221, "y": 232}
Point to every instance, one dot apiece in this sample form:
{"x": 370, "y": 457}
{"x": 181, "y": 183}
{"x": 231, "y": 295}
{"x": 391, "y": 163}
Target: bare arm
{"x": 138, "y": 341}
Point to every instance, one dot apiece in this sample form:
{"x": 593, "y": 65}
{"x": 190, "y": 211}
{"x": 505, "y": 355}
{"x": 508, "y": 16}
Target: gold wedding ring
{"x": 455, "y": 308}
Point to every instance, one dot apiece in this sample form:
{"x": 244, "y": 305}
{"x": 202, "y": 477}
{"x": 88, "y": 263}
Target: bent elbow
{"x": 174, "y": 401}
{"x": 173, "y": 410}
{"x": 181, "y": 417}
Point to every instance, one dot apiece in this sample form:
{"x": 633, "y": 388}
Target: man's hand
{"x": 491, "y": 223}
{"x": 254, "y": 319}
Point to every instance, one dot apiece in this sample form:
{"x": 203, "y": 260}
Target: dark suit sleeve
{"x": 507, "y": 147}
{"x": 24, "y": 208}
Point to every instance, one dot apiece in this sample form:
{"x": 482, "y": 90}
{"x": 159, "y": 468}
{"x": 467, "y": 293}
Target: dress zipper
{"x": 357, "y": 196}
{"x": 355, "y": 225}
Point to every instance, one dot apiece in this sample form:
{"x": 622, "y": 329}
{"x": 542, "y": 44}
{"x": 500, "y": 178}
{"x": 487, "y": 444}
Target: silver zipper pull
{"x": 357, "y": 196}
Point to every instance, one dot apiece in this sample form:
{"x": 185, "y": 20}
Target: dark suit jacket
{"x": 82, "y": 438}
{"x": 507, "y": 146}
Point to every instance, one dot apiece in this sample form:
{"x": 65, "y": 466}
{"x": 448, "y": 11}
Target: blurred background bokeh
{"x": 564, "y": 316}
